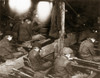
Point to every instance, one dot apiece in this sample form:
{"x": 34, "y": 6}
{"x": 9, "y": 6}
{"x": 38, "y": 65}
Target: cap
{"x": 67, "y": 50}
{"x": 37, "y": 44}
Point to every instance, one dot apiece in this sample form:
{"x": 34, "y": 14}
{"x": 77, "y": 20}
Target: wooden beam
{"x": 87, "y": 61}
{"x": 86, "y": 67}
{"x": 20, "y": 73}
{"x": 62, "y": 32}
{"x": 6, "y": 68}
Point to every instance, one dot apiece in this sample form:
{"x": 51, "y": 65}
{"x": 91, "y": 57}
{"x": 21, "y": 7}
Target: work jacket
{"x": 25, "y": 32}
{"x": 5, "y": 47}
{"x": 37, "y": 62}
{"x": 86, "y": 50}
{"x": 62, "y": 67}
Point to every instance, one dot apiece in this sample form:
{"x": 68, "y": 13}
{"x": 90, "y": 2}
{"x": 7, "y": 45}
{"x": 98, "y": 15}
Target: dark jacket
{"x": 62, "y": 68}
{"x": 22, "y": 32}
{"x": 38, "y": 63}
{"x": 86, "y": 50}
{"x": 5, "y": 47}
{"x": 25, "y": 32}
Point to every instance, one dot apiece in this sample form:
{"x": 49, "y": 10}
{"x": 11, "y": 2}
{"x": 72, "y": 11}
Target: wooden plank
{"x": 86, "y": 61}
{"x": 6, "y": 67}
{"x": 48, "y": 49}
{"x": 21, "y": 73}
{"x": 92, "y": 75}
{"x": 86, "y": 67}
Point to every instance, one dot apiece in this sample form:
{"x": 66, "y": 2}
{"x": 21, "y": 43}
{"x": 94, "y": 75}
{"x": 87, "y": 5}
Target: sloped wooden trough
{"x": 6, "y": 68}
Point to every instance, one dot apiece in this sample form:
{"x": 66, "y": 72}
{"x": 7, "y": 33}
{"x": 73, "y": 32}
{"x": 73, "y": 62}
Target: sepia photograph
{"x": 49, "y": 38}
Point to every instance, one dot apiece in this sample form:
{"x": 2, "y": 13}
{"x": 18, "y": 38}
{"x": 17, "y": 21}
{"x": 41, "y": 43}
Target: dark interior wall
{"x": 87, "y": 9}
{"x": 0, "y": 13}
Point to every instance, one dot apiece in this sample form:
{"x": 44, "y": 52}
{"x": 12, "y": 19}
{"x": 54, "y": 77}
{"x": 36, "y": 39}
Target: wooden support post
{"x": 62, "y": 32}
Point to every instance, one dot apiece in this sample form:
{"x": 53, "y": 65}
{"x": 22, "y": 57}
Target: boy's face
{"x": 36, "y": 49}
{"x": 28, "y": 21}
{"x": 70, "y": 55}
{"x": 9, "y": 37}
{"x": 93, "y": 40}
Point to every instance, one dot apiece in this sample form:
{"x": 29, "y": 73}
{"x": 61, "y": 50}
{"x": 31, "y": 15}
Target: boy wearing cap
{"x": 62, "y": 64}
{"x": 87, "y": 50}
